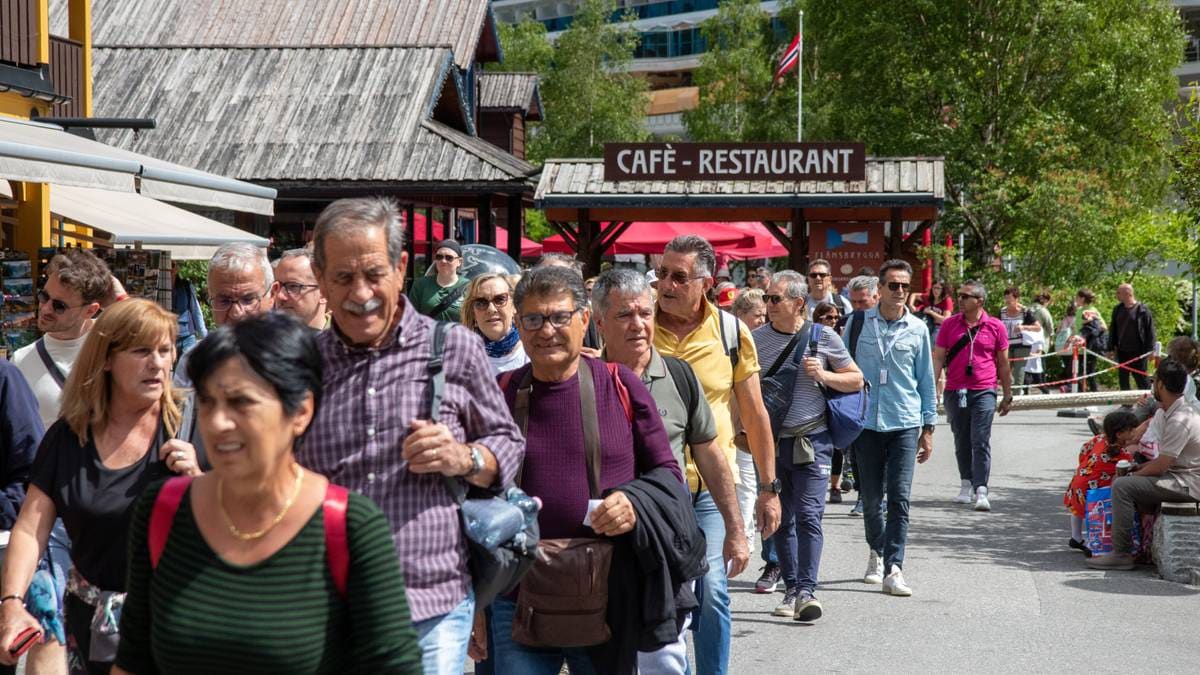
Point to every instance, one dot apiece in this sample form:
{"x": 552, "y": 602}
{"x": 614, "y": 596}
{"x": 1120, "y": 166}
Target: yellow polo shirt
{"x": 704, "y": 350}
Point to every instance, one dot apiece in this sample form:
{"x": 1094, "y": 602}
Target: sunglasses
{"x": 535, "y": 321}
{"x": 774, "y": 299}
{"x": 58, "y": 306}
{"x": 497, "y": 300}
{"x": 967, "y": 296}
{"x": 898, "y": 285}
{"x": 678, "y": 278}
{"x": 445, "y": 257}
{"x": 817, "y": 275}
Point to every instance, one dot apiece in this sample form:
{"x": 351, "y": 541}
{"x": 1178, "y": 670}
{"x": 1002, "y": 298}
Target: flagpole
{"x": 800, "y": 84}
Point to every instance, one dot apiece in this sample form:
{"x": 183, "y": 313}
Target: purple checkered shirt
{"x": 370, "y": 397}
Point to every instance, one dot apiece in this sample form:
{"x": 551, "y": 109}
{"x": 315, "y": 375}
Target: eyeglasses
{"x": 445, "y": 257}
{"x": 296, "y": 289}
{"x": 224, "y": 303}
{"x": 676, "y": 277}
{"x": 535, "y": 321}
{"x": 898, "y": 285}
{"x": 817, "y": 275}
{"x": 829, "y": 318}
{"x": 774, "y": 299}
{"x": 967, "y": 296}
{"x": 55, "y": 304}
{"x": 497, "y": 300}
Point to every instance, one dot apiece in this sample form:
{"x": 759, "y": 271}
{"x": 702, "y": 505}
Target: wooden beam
{"x": 516, "y": 226}
{"x": 777, "y": 232}
{"x": 734, "y": 214}
{"x": 609, "y": 236}
{"x": 567, "y": 233}
{"x": 429, "y": 242}
{"x": 916, "y": 234}
{"x": 410, "y": 242}
{"x": 895, "y": 233}
{"x": 798, "y": 251}
{"x": 485, "y": 228}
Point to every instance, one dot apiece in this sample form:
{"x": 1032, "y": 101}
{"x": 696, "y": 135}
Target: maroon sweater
{"x": 555, "y": 466}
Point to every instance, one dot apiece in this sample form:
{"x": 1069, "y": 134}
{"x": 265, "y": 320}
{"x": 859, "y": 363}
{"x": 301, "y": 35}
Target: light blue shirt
{"x": 908, "y": 398}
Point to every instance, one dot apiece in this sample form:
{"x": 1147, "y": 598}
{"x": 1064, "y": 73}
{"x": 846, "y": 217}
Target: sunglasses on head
{"x": 898, "y": 285}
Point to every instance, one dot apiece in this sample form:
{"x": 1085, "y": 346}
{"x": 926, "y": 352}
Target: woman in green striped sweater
{"x": 245, "y": 581}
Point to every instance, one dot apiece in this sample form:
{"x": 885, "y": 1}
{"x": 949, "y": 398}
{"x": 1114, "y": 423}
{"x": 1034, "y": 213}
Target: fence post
{"x": 1075, "y": 369}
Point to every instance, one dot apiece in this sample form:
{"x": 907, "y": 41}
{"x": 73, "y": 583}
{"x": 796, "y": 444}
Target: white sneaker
{"x": 964, "y": 493}
{"x": 874, "y": 573}
{"x": 895, "y": 585}
{"x": 981, "y": 500}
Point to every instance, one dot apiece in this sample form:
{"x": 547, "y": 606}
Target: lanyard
{"x": 883, "y": 353}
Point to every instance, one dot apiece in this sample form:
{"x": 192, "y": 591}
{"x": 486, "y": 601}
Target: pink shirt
{"x": 991, "y": 338}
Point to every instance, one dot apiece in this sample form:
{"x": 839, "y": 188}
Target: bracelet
{"x": 12, "y": 597}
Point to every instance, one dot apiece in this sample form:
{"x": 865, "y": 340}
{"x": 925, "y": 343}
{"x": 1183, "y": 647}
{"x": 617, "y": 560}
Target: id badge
{"x": 962, "y": 398}
{"x": 883, "y": 379}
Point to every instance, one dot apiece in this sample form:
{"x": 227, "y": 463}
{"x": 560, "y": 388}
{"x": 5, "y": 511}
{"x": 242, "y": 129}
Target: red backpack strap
{"x": 337, "y": 546}
{"x": 622, "y": 391}
{"x": 162, "y": 517}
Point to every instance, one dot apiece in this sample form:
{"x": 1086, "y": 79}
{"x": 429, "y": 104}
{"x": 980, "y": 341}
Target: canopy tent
{"x": 45, "y": 153}
{"x": 651, "y": 237}
{"x": 129, "y": 218}
{"x": 765, "y": 245}
{"x": 419, "y": 233}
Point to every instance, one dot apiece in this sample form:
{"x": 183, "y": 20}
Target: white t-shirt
{"x": 515, "y": 359}
{"x": 43, "y": 384}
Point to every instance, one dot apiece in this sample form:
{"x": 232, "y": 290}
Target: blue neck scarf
{"x": 503, "y": 346}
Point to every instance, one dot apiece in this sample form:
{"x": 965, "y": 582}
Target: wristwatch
{"x": 477, "y": 462}
{"x": 774, "y": 487}
{"x": 929, "y": 427}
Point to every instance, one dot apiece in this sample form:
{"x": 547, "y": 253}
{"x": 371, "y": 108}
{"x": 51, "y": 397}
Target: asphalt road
{"x": 993, "y": 592}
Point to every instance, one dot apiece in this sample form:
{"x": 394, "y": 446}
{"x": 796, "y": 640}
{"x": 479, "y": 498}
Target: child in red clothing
{"x": 1097, "y": 467}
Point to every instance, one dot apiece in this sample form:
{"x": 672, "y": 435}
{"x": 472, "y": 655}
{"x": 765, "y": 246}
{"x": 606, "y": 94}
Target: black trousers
{"x": 1142, "y": 381}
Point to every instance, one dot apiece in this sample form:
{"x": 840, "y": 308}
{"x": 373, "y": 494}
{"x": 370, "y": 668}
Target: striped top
{"x": 196, "y": 613}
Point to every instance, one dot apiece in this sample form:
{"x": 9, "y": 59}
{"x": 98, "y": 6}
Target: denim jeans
{"x": 444, "y": 639}
{"x": 800, "y": 537}
{"x": 712, "y": 628}
{"x": 972, "y": 427}
{"x": 512, "y": 657}
{"x": 887, "y": 460}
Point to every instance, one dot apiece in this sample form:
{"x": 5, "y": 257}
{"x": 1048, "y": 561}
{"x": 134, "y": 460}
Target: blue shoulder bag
{"x": 845, "y": 412}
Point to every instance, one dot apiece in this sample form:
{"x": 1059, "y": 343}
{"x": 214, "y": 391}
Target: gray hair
{"x": 549, "y": 281}
{"x": 293, "y": 253}
{"x": 706, "y": 258}
{"x": 747, "y": 300}
{"x": 793, "y": 282}
{"x": 561, "y": 260}
{"x": 865, "y": 283}
{"x": 242, "y": 257}
{"x": 977, "y": 287}
{"x": 624, "y": 281}
{"x": 355, "y": 215}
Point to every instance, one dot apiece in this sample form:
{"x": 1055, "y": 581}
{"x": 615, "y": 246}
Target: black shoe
{"x": 769, "y": 580}
{"x": 835, "y": 496}
{"x": 1079, "y": 545}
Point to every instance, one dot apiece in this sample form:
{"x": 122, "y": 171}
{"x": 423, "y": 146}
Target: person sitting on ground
{"x": 1172, "y": 476}
{"x": 489, "y": 311}
{"x": 245, "y": 580}
{"x": 1097, "y": 467}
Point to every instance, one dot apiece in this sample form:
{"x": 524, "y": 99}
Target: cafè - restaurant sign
{"x": 734, "y": 161}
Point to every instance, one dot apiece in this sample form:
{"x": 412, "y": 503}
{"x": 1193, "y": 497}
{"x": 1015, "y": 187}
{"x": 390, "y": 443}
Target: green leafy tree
{"x": 1049, "y": 112}
{"x": 734, "y": 75}
{"x": 588, "y": 96}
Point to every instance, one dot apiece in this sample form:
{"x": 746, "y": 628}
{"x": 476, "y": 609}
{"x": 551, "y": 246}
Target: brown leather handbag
{"x": 563, "y": 600}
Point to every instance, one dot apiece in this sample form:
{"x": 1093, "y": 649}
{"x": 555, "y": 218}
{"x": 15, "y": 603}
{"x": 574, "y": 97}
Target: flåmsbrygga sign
{"x": 734, "y": 161}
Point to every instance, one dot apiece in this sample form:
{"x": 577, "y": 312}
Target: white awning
{"x": 44, "y": 153}
{"x": 130, "y": 218}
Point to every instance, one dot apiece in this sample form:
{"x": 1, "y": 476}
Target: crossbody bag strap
{"x": 48, "y": 362}
{"x": 337, "y": 543}
{"x": 783, "y": 355}
{"x": 162, "y": 516}
{"x": 962, "y": 343}
{"x": 437, "y": 391}
{"x": 521, "y": 413}
{"x": 447, "y": 301}
{"x": 591, "y": 426}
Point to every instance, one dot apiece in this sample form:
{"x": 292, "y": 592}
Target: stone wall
{"x": 1176, "y": 546}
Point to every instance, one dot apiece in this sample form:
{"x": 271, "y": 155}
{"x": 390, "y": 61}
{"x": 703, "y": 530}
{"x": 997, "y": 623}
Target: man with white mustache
{"x": 372, "y": 432}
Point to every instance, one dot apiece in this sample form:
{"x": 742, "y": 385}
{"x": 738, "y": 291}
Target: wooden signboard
{"x": 734, "y": 161}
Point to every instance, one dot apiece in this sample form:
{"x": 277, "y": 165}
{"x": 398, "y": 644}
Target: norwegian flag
{"x": 791, "y": 56}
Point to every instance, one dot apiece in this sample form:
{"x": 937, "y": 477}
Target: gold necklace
{"x": 250, "y": 536}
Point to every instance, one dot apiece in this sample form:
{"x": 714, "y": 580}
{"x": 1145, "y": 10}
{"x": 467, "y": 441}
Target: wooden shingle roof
{"x": 458, "y": 24}
{"x": 295, "y": 114}
{"x": 511, "y": 91}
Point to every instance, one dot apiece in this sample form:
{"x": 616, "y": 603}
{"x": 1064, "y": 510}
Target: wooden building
{"x": 323, "y": 99}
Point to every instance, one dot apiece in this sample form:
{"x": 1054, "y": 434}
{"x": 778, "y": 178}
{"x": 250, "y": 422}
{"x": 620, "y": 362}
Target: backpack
{"x": 855, "y": 324}
{"x": 845, "y": 412}
{"x": 731, "y": 335}
{"x": 337, "y": 546}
